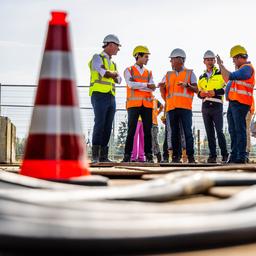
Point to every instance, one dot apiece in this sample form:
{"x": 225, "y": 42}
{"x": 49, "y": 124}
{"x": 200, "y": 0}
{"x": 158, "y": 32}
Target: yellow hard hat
{"x": 140, "y": 49}
{"x": 236, "y": 50}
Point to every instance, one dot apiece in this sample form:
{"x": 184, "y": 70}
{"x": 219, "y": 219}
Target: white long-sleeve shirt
{"x": 97, "y": 65}
{"x": 137, "y": 85}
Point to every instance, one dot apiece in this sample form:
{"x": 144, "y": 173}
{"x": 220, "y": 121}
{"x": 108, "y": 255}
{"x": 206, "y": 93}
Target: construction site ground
{"x": 135, "y": 173}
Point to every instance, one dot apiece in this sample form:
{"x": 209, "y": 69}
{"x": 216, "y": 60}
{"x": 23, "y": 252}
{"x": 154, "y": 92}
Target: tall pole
{"x": 198, "y": 145}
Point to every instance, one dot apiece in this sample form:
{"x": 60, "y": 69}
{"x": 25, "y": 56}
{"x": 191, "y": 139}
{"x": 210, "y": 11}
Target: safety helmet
{"x": 140, "y": 49}
{"x": 111, "y": 39}
{"x": 237, "y": 50}
{"x": 178, "y": 53}
{"x": 209, "y": 54}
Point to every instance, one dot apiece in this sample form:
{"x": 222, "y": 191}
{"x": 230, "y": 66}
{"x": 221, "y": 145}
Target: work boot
{"x": 176, "y": 159}
{"x": 149, "y": 158}
{"x": 126, "y": 159}
{"x": 165, "y": 160}
{"x": 211, "y": 160}
{"x": 224, "y": 159}
{"x": 95, "y": 153}
{"x": 191, "y": 160}
{"x": 165, "y": 157}
{"x": 104, "y": 155}
{"x": 159, "y": 157}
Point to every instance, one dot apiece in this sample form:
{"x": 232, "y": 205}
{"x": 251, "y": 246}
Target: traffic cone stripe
{"x": 56, "y": 120}
{"x": 41, "y": 146}
{"x": 54, "y": 92}
{"x": 52, "y": 169}
{"x": 57, "y": 65}
{"x": 61, "y": 45}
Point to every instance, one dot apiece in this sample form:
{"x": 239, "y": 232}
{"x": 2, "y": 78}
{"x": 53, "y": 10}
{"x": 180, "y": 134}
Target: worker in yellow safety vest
{"x": 211, "y": 90}
{"x": 104, "y": 76}
{"x": 139, "y": 101}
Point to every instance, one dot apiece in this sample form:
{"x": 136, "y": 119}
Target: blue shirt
{"x": 243, "y": 73}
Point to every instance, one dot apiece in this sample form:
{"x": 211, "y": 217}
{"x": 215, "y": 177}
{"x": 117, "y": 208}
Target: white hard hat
{"x": 111, "y": 39}
{"x": 209, "y": 54}
{"x": 178, "y": 53}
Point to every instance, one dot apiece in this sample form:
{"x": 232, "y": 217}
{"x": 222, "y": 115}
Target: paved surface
{"x": 141, "y": 174}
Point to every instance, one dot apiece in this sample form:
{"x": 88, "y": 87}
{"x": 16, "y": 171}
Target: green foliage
{"x": 121, "y": 137}
{"x": 20, "y": 147}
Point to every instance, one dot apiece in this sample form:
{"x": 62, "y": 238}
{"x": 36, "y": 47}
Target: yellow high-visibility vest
{"x": 215, "y": 81}
{"x": 99, "y": 83}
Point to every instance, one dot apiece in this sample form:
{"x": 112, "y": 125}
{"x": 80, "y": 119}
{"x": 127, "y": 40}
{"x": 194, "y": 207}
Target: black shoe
{"x": 191, "y": 160}
{"x": 126, "y": 159}
{"x": 211, "y": 160}
{"x": 176, "y": 160}
{"x": 159, "y": 157}
{"x": 104, "y": 155}
{"x": 95, "y": 153}
{"x": 224, "y": 159}
{"x": 149, "y": 158}
{"x": 165, "y": 161}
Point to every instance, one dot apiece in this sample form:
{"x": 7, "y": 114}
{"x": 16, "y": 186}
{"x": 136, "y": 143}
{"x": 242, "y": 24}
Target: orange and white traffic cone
{"x": 55, "y": 146}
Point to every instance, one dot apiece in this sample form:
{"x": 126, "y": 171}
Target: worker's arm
{"x": 162, "y": 86}
{"x": 243, "y": 73}
{"x": 224, "y": 72}
{"x": 193, "y": 83}
{"x": 99, "y": 67}
{"x": 192, "y": 86}
{"x": 148, "y": 87}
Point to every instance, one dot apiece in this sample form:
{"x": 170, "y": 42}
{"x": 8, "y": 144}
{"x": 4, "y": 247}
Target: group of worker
{"x": 177, "y": 89}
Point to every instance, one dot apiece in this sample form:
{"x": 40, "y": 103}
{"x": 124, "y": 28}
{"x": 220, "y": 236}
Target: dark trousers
{"x": 104, "y": 107}
{"x": 165, "y": 146}
{"x": 183, "y": 116}
{"x": 146, "y": 116}
{"x": 236, "y": 116}
{"x": 213, "y": 120}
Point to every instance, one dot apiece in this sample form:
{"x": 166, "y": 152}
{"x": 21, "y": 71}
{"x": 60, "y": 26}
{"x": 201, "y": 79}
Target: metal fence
{"x": 17, "y": 101}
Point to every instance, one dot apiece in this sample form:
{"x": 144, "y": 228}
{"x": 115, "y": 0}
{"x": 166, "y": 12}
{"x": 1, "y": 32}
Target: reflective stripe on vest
{"x": 131, "y": 100}
{"x": 243, "y": 83}
{"x": 243, "y": 92}
{"x": 99, "y": 83}
{"x": 213, "y": 99}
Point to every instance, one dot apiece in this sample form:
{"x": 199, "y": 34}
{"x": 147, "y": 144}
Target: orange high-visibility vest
{"x": 155, "y": 112}
{"x": 242, "y": 90}
{"x": 176, "y": 95}
{"x": 135, "y": 97}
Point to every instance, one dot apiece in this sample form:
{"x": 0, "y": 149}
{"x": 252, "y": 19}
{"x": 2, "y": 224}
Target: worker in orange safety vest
{"x": 239, "y": 93}
{"x": 139, "y": 102}
{"x": 177, "y": 89}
